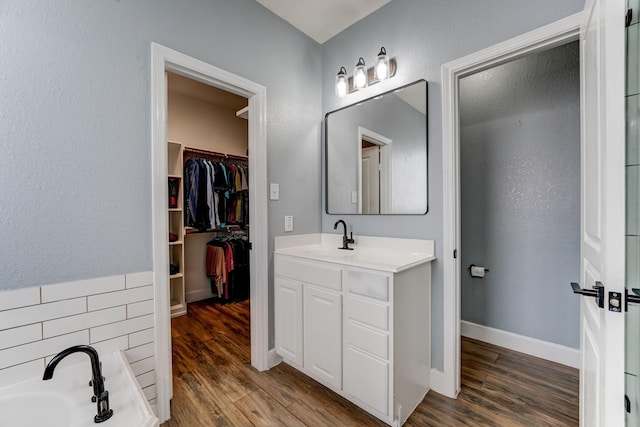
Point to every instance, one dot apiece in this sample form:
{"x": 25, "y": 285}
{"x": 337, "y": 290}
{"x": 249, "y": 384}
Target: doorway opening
{"x": 166, "y": 60}
{"x": 447, "y": 381}
{"x": 374, "y": 172}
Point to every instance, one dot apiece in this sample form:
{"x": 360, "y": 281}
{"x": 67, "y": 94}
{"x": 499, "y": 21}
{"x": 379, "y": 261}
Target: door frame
{"x": 164, "y": 59}
{"x": 386, "y": 148}
{"x": 555, "y": 34}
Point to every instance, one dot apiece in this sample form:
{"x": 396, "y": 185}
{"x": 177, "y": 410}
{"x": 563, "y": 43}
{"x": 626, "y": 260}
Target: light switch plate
{"x": 288, "y": 223}
{"x": 274, "y": 191}
{"x": 354, "y": 196}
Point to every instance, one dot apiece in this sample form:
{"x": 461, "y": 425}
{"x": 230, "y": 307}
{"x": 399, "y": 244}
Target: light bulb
{"x": 360, "y": 75}
{"x": 382, "y": 65}
{"x": 341, "y": 83}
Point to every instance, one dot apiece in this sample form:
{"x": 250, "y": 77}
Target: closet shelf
{"x": 177, "y": 242}
{"x": 174, "y": 176}
{"x": 176, "y": 276}
{"x": 175, "y": 209}
{"x": 189, "y": 230}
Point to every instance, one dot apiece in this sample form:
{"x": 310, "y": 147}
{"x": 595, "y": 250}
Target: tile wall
{"x": 109, "y": 313}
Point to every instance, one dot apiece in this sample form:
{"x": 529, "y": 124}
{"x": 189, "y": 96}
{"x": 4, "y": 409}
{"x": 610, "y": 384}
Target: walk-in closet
{"x": 208, "y": 190}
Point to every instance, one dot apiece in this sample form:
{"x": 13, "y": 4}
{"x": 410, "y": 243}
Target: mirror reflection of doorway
{"x": 370, "y": 178}
{"x": 374, "y": 176}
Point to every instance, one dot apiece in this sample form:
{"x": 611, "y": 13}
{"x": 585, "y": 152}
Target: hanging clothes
{"x": 216, "y": 194}
{"x": 227, "y": 264}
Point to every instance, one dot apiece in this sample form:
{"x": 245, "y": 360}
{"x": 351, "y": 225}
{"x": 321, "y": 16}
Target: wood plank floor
{"x": 215, "y": 385}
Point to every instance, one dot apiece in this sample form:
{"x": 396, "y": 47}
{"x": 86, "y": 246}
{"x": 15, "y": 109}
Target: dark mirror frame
{"x": 326, "y": 148}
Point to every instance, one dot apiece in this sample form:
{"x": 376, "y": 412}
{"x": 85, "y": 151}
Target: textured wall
{"x": 520, "y": 194}
{"x": 423, "y": 35}
{"x": 75, "y": 125}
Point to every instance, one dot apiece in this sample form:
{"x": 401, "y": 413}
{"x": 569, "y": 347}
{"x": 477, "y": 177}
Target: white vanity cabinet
{"x": 362, "y": 332}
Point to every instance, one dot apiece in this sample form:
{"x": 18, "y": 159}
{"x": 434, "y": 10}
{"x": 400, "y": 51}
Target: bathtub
{"x": 65, "y": 400}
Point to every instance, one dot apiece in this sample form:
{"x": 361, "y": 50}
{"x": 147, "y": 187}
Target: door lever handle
{"x": 633, "y": 297}
{"x": 597, "y": 292}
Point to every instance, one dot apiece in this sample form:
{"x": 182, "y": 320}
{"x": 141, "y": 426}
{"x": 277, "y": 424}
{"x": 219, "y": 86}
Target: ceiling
{"x": 204, "y": 92}
{"x": 322, "y": 19}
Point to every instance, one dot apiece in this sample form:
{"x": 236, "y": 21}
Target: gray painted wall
{"x": 423, "y": 35}
{"x": 520, "y": 195}
{"x": 391, "y": 117}
{"x": 75, "y": 125}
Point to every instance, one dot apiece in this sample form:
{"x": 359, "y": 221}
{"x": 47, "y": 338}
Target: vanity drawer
{"x": 369, "y": 284}
{"x": 370, "y": 313}
{"x": 309, "y": 272}
{"x": 374, "y": 342}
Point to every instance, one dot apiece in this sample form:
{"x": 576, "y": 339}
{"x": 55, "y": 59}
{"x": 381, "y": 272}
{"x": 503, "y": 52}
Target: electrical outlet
{"x": 288, "y": 223}
{"x": 274, "y": 191}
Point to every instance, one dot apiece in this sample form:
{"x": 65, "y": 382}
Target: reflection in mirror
{"x": 376, "y": 154}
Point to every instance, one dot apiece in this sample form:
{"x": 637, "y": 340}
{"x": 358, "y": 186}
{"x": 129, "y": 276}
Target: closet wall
{"x": 203, "y": 117}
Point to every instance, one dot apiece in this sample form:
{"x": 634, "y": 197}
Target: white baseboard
{"x": 198, "y": 295}
{"x": 532, "y": 346}
{"x": 273, "y": 358}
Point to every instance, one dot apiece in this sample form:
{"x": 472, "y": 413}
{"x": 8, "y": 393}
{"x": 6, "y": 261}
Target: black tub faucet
{"x": 345, "y": 240}
{"x": 100, "y": 395}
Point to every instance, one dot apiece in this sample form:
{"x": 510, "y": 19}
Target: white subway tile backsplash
{"x": 112, "y": 330}
{"x": 150, "y": 392}
{"x": 146, "y": 379}
{"x": 19, "y": 298}
{"x": 143, "y": 366}
{"x": 138, "y": 353}
{"x": 99, "y": 302}
{"x": 83, "y": 321}
{"x": 82, "y": 288}
{"x": 139, "y": 308}
{"x": 41, "y": 312}
{"x": 20, "y": 335}
{"x": 38, "y": 349}
{"x": 113, "y": 313}
{"x": 21, "y": 372}
{"x": 143, "y": 337}
{"x": 136, "y": 280}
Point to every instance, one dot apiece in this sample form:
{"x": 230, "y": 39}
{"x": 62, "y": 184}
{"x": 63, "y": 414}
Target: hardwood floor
{"x": 215, "y": 385}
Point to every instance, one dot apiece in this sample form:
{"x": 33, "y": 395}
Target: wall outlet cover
{"x": 288, "y": 223}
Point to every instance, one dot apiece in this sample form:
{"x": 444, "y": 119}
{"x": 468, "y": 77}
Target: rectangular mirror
{"x": 376, "y": 154}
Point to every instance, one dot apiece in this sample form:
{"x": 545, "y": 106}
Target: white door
{"x": 603, "y": 211}
{"x": 371, "y": 180}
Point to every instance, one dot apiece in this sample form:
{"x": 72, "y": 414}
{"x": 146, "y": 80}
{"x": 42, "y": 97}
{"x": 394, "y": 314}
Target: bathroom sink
{"x": 35, "y": 409}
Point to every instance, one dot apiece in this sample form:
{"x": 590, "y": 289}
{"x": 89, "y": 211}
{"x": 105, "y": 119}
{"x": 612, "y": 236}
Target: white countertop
{"x": 379, "y": 253}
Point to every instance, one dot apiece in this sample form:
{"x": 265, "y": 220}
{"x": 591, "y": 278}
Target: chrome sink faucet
{"x": 100, "y": 395}
{"x": 345, "y": 240}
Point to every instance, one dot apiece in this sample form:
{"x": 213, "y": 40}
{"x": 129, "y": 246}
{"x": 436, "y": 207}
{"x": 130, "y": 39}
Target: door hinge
{"x": 250, "y": 246}
{"x": 627, "y": 18}
{"x": 627, "y": 404}
{"x": 455, "y": 253}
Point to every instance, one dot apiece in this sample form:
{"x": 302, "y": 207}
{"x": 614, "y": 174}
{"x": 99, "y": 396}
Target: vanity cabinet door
{"x": 288, "y": 319}
{"x": 366, "y": 378}
{"x": 323, "y": 334}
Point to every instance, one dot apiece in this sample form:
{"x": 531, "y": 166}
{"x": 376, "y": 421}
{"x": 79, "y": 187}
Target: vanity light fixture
{"x": 362, "y": 77}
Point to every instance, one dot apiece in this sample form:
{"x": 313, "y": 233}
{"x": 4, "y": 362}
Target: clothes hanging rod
{"x": 214, "y": 154}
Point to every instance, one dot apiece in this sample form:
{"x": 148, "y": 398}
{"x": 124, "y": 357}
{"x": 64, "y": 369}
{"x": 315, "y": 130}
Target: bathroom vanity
{"x": 357, "y": 321}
